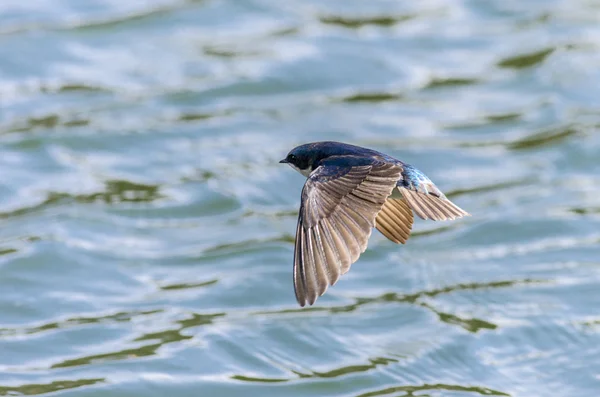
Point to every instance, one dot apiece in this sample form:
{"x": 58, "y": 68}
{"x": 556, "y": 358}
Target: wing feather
{"x": 415, "y": 204}
{"x": 330, "y": 257}
{"x": 424, "y": 197}
{"x": 340, "y": 245}
{"x": 395, "y": 220}
{"x": 429, "y": 206}
{"x": 337, "y": 216}
{"x": 310, "y": 272}
{"x": 320, "y": 267}
{"x": 299, "y": 282}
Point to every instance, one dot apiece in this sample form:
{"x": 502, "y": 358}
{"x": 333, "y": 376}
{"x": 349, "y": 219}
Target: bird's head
{"x": 305, "y": 158}
{"x": 302, "y": 159}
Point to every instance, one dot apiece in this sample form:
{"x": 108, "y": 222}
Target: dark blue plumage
{"x": 350, "y": 190}
{"x": 346, "y": 155}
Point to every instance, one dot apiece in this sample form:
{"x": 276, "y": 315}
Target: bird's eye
{"x": 292, "y": 157}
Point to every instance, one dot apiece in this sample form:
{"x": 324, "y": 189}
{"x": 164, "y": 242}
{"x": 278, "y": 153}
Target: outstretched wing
{"x": 425, "y": 198}
{"x": 337, "y": 216}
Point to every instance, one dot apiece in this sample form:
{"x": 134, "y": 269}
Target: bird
{"x": 350, "y": 190}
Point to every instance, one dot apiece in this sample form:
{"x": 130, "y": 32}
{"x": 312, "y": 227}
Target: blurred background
{"x": 146, "y": 228}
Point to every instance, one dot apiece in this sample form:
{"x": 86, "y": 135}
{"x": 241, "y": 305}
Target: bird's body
{"x": 349, "y": 190}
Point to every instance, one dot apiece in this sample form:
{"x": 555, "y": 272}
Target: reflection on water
{"x": 161, "y": 338}
{"x": 34, "y": 390}
{"x": 410, "y": 390}
{"x": 526, "y": 60}
{"x": 147, "y": 228}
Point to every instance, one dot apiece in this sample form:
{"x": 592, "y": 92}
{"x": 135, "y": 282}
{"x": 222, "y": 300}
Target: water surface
{"x": 146, "y": 228}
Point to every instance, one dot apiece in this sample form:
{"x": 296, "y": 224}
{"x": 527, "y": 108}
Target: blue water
{"x": 146, "y": 228}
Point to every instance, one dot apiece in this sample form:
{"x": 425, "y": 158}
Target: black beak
{"x": 284, "y": 161}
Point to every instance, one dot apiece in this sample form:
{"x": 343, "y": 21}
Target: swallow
{"x": 350, "y": 190}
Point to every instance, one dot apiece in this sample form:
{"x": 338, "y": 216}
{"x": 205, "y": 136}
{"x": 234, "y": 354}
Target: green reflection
{"x": 149, "y": 15}
{"x": 223, "y": 53}
{"x": 503, "y": 118}
{"x": 526, "y": 60}
{"x": 143, "y": 351}
{"x": 258, "y": 380}
{"x": 450, "y": 82}
{"x": 470, "y": 324}
{"x": 585, "y": 211}
{"x": 410, "y": 390}
{"x": 543, "y": 138}
{"x": 247, "y": 244}
{"x": 8, "y": 251}
{"x": 359, "y": 22}
{"x": 473, "y": 325}
{"x": 187, "y": 285}
{"x": 372, "y": 97}
{"x": 73, "y": 87}
{"x": 350, "y": 369}
{"x": 194, "y": 117}
{"x": 163, "y": 338}
{"x": 116, "y": 191}
{"x": 487, "y": 188}
{"x": 76, "y": 321}
{"x": 437, "y": 230}
{"x": 346, "y": 370}
{"x": 35, "y": 389}
{"x": 49, "y": 121}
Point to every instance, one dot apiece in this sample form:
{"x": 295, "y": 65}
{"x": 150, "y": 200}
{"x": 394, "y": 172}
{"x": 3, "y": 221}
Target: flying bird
{"x": 348, "y": 191}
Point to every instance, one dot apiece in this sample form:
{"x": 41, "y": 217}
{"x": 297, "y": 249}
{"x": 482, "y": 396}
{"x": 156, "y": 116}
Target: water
{"x": 146, "y": 228}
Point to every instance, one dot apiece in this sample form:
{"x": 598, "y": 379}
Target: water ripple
{"x": 162, "y": 338}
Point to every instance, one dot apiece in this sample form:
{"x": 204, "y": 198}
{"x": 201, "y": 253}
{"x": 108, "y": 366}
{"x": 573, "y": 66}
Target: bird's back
{"x": 327, "y": 149}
